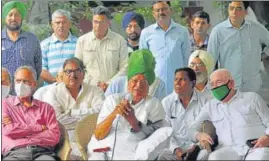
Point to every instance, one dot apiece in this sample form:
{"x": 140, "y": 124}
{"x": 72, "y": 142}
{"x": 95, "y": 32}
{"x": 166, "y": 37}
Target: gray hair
{"x": 61, "y": 12}
{"x": 101, "y": 10}
{"x": 29, "y": 68}
{"x": 77, "y": 62}
{"x": 9, "y": 75}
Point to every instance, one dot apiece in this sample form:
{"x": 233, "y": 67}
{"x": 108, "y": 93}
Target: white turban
{"x": 205, "y": 57}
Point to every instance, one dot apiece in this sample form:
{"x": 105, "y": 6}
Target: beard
{"x": 133, "y": 36}
{"x": 201, "y": 77}
{"x": 14, "y": 27}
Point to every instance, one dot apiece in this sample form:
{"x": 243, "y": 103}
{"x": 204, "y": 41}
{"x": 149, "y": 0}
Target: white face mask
{"x": 5, "y": 91}
{"x": 23, "y": 90}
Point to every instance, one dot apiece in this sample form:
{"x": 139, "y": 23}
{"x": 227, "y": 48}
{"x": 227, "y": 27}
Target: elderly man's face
{"x": 5, "y": 79}
{"x": 100, "y": 24}
{"x": 182, "y": 83}
{"x": 133, "y": 30}
{"x": 220, "y": 78}
{"x": 200, "y": 69}
{"x": 25, "y": 76}
{"x": 237, "y": 12}
{"x": 13, "y": 20}
{"x": 61, "y": 26}
{"x": 73, "y": 75}
{"x": 138, "y": 86}
{"x": 200, "y": 25}
{"x": 161, "y": 11}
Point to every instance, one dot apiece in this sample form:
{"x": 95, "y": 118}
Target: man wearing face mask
{"x": 238, "y": 117}
{"x": 133, "y": 23}
{"x": 29, "y": 127}
{"x": 203, "y": 64}
{"x": 5, "y": 82}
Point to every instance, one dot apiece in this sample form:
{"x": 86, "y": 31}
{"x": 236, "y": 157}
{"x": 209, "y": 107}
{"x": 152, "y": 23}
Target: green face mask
{"x": 221, "y": 92}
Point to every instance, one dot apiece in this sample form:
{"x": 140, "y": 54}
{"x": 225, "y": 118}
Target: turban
{"x": 205, "y": 57}
{"x": 142, "y": 62}
{"x": 20, "y": 6}
{"x": 129, "y": 16}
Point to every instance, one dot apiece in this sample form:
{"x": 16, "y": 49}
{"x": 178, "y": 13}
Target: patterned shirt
{"x": 55, "y": 52}
{"x": 195, "y": 47}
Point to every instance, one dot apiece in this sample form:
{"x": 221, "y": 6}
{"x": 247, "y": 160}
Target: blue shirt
{"x": 55, "y": 52}
{"x": 239, "y": 51}
{"x": 170, "y": 48}
{"x": 24, "y": 51}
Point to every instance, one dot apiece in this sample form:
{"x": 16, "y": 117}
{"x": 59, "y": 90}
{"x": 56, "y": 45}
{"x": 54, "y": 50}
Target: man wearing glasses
{"x": 236, "y": 44}
{"x": 73, "y": 100}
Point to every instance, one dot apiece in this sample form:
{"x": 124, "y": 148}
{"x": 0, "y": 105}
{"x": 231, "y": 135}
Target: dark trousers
{"x": 30, "y": 153}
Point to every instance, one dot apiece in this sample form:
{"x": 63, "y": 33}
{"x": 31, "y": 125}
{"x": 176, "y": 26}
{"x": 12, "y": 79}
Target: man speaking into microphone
{"x": 139, "y": 114}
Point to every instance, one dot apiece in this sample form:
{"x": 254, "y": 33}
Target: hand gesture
{"x": 263, "y": 141}
{"x": 102, "y": 85}
{"x": 204, "y": 140}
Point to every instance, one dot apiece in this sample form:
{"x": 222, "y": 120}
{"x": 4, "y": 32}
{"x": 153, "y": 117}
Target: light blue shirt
{"x": 239, "y": 51}
{"x": 119, "y": 85}
{"x": 170, "y": 48}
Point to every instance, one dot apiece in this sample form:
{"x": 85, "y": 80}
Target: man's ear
{"x": 193, "y": 83}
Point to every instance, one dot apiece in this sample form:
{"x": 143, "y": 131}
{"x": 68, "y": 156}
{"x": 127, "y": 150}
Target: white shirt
{"x": 41, "y": 93}
{"x": 244, "y": 117}
{"x": 104, "y": 59}
{"x": 148, "y": 109}
{"x": 180, "y": 118}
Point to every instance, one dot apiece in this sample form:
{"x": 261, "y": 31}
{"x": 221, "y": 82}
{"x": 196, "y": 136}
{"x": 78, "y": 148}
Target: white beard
{"x": 201, "y": 77}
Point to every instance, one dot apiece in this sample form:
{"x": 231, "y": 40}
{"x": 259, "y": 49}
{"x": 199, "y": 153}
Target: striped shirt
{"x": 55, "y": 52}
{"x": 24, "y": 51}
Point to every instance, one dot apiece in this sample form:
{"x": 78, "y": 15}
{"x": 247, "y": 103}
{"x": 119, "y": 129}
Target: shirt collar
{"x": 172, "y": 25}
{"x": 193, "y": 98}
{"x": 17, "y": 102}
{"x": 55, "y": 39}
{"x": 109, "y": 35}
{"x": 228, "y": 23}
{"x": 5, "y": 35}
{"x": 204, "y": 43}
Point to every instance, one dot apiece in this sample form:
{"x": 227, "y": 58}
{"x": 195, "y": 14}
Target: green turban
{"x": 20, "y": 6}
{"x": 142, "y": 62}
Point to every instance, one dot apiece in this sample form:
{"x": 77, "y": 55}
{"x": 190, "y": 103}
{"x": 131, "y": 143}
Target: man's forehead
{"x": 133, "y": 22}
{"x": 196, "y": 60}
{"x": 199, "y": 19}
{"x": 99, "y": 17}
{"x": 71, "y": 65}
{"x": 13, "y": 10}
{"x": 236, "y": 4}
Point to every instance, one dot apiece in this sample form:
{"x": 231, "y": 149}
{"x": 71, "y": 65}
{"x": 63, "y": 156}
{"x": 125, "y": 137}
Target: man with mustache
{"x": 133, "y": 23}
{"x": 236, "y": 44}
{"x": 73, "y": 100}
{"x": 200, "y": 24}
{"x": 203, "y": 64}
{"x": 168, "y": 41}
{"x": 103, "y": 51}
{"x": 18, "y": 47}
{"x": 58, "y": 47}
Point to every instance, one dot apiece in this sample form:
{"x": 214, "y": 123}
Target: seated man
{"x": 181, "y": 107}
{"x": 119, "y": 85}
{"x": 73, "y": 100}
{"x": 5, "y": 82}
{"x": 237, "y": 117}
{"x": 41, "y": 93}
{"x": 127, "y": 118}
{"x": 30, "y": 130}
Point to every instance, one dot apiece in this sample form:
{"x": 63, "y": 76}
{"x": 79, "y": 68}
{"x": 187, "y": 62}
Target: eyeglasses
{"x": 75, "y": 71}
{"x": 198, "y": 65}
{"x": 231, "y": 8}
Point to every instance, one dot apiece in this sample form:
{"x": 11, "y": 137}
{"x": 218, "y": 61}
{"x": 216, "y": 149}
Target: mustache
{"x": 162, "y": 14}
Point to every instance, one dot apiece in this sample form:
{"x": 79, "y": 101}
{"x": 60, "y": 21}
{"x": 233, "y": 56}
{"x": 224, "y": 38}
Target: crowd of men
{"x": 201, "y": 85}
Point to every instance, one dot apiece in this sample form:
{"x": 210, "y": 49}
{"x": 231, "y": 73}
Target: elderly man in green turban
{"x": 137, "y": 114}
{"x": 138, "y": 62}
{"x": 19, "y": 48}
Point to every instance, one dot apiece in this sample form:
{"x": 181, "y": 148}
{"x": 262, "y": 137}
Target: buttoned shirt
{"x": 41, "y": 93}
{"x": 26, "y": 124}
{"x": 170, "y": 48}
{"x": 194, "y": 45}
{"x": 104, "y": 59}
{"x": 119, "y": 85}
{"x": 24, "y": 51}
{"x": 244, "y": 117}
{"x": 180, "y": 118}
{"x": 239, "y": 51}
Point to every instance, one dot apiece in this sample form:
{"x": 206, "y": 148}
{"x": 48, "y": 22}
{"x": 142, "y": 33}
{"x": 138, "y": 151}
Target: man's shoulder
{"x": 149, "y": 29}
{"x": 85, "y": 37}
{"x": 29, "y": 35}
{"x": 169, "y": 98}
{"x": 46, "y": 41}
{"x": 117, "y": 36}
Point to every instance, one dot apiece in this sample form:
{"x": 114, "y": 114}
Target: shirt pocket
{"x": 112, "y": 56}
{"x": 250, "y": 117}
{"x": 89, "y": 58}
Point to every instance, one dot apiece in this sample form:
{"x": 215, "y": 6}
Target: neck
{"x": 237, "y": 25}
{"x": 26, "y": 101}
{"x": 62, "y": 38}
{"x": 74, "y": 92}
{"x": 230, "y": 96}
{"x": 99, "y": 36}
{"x": 200, "y": 86}
{"x": 13, "y": 35}
{"x": 164, "y": 24}
{"x": 185, "y": 99}
{"x": 133, "y": 43}
{"x": 199, "y": 38}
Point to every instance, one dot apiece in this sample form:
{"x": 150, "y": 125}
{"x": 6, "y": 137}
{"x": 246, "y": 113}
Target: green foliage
{"x": 42, "y": 31}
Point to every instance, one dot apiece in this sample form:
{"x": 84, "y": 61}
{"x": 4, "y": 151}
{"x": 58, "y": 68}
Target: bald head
{"x": 220, "y": 77}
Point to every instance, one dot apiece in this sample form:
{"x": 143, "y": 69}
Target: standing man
{"x": 57, "y": 48}
{"x": 103, "y": 51}
{"x": 200, "y": 24}
{"x": 168, "y": 41}
{"x": 236, "y": 44}
{"x": 133, "y": 23}
{"x": 18, "y": 47}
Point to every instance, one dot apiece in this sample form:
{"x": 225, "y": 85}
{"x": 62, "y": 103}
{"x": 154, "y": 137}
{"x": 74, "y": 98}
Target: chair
{"x": 83, "y": 132}
{"x": 63, "y": 148}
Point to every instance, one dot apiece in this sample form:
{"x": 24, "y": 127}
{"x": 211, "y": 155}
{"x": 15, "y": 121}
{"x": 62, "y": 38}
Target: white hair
{"x": 60, "y": 13}
{"x": 224, "y": 72}
{"x": 29, "y": 68}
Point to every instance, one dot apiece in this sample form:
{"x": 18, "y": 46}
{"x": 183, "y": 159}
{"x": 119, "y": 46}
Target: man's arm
{"x": 47, "y": 77}
{"x": 38, "y": 59}
{"x": 263, "y": 111}
{"x": 143, "y": 44}
{"x": 213, "y": 45}
{"x": 264, "y": 36}
{"x": 50, "y": 135}
{"x": 79, "y": 48}
{"x": 186, "y": 47}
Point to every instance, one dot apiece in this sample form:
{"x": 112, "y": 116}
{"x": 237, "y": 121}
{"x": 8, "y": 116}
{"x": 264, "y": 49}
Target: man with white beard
{"x": 203, "y": 64}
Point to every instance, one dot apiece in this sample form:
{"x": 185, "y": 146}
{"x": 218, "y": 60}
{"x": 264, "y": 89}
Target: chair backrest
{"x": 83, "y": 133}
{"x": 63, "y": 148}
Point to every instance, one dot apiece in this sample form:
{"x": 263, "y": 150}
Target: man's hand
{"x": 263, "y": 141}
{"x": 44, "y": 127}
{"x": 121, "y": 108}
{"x": 204, "y": 140}
{"x": 6, "y": 120}
{"x": 179, "y": 152}
{"x": 102, "y": 85}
